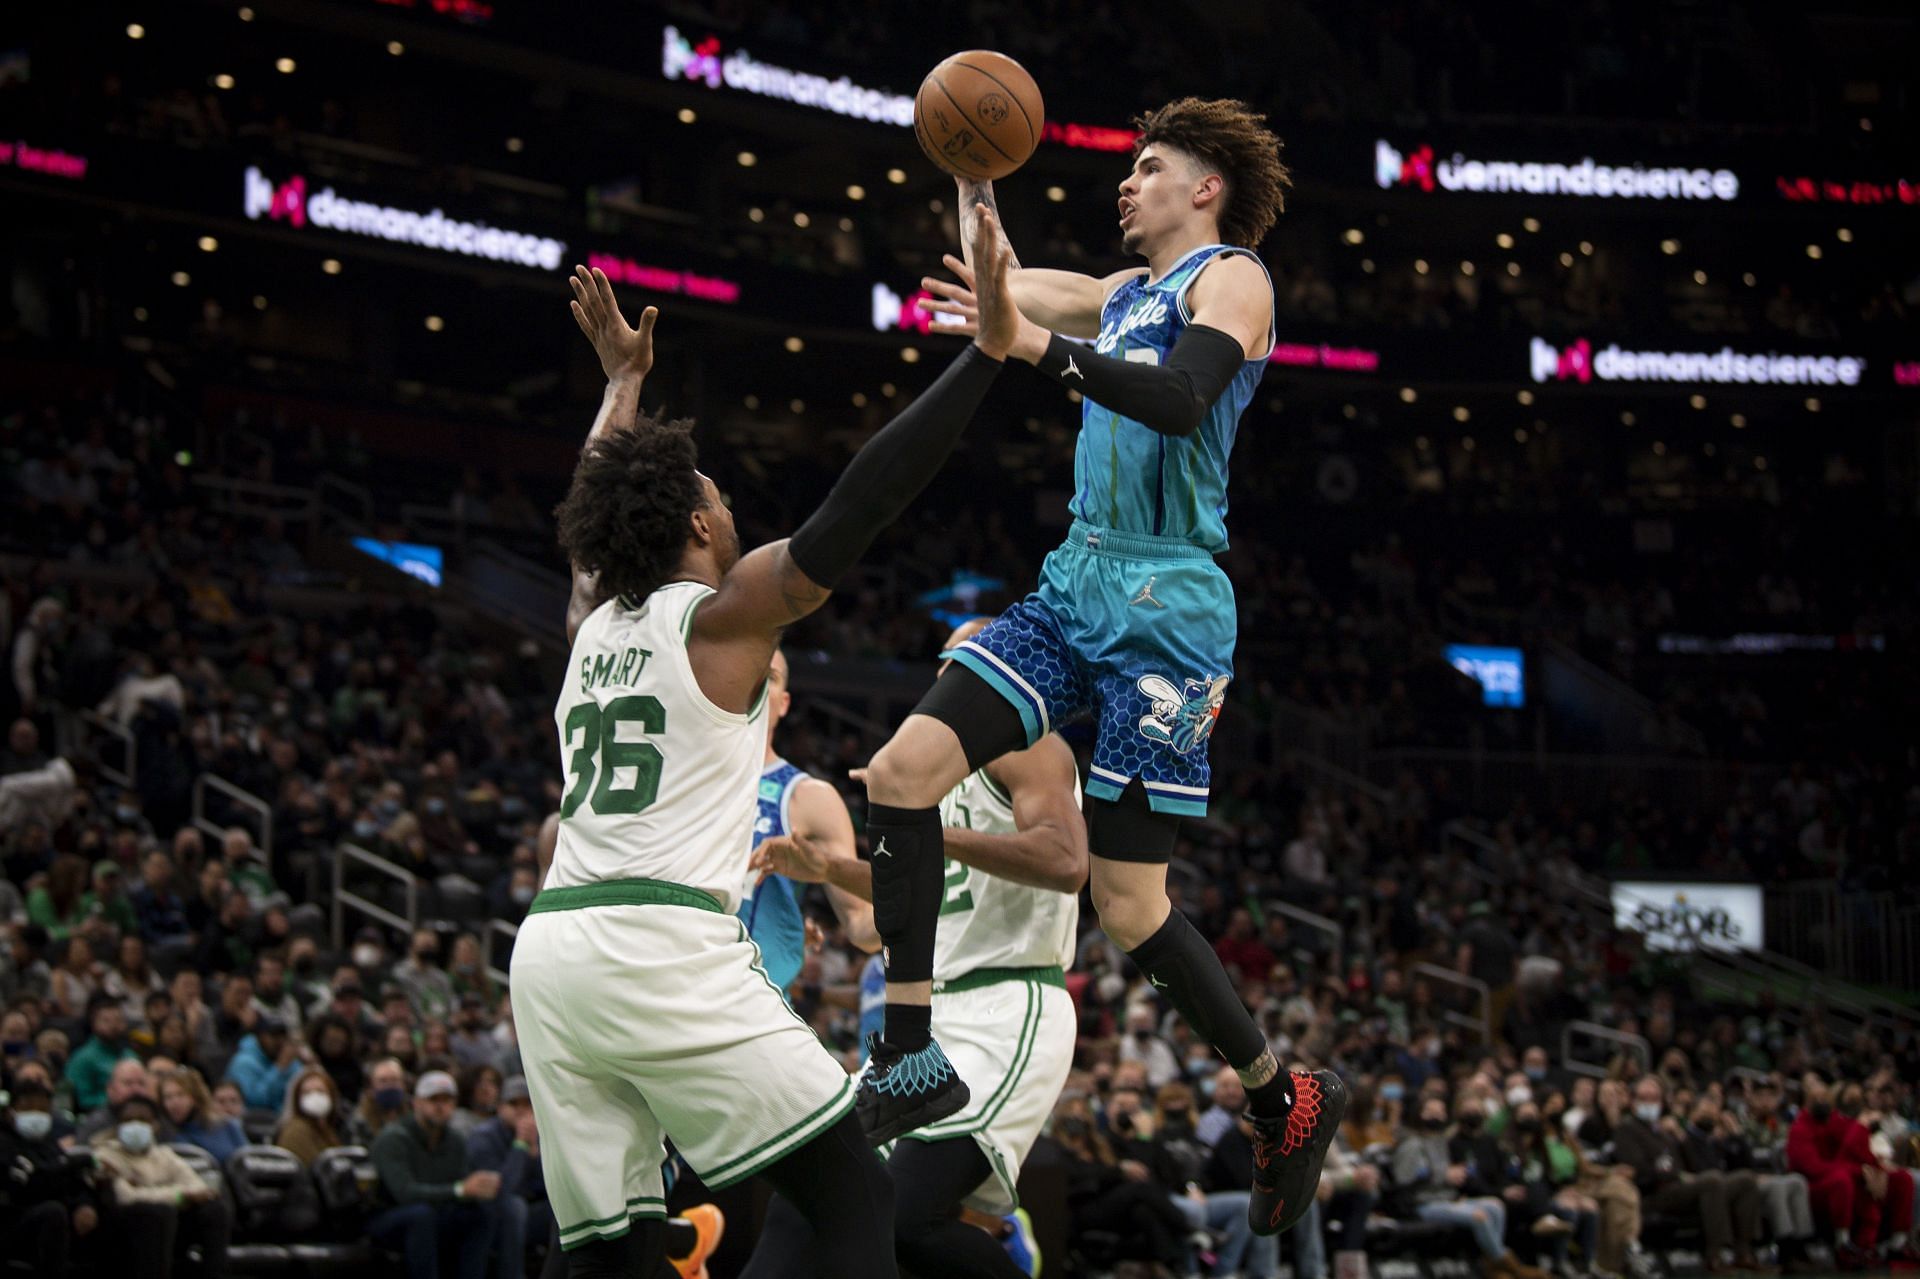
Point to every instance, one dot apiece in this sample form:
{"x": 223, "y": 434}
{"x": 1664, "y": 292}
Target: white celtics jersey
{"x": 990, "y": 922}
{"x": 660, "y": 781}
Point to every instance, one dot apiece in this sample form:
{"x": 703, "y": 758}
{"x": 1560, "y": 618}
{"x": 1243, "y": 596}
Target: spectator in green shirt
{"x": 93, "y": 1061}
{"x": 60, "y": 904}
{"x": 109, "y": 899}
{"x": 438, "y": 1201}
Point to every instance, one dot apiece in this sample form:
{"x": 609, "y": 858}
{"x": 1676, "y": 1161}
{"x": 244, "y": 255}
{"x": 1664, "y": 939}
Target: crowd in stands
{"x": 166, "y": 988}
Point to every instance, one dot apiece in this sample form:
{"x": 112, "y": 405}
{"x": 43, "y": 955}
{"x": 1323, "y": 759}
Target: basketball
{"x": 978, "y": 115}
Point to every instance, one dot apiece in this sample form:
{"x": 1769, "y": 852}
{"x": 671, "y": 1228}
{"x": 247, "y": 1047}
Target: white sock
{"x": 1843, "y": 1236}
{"x": 1897, "y": 1243}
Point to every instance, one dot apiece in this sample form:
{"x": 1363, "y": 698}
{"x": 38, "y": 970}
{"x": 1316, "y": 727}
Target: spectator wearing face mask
{"x": 1431, "y": 1171}
{"x": 1538, "y": 1173}
{"x": 1653, "y": 1143}
{"x": 47, "y": 1205}
{"x": 1143, "y": 1045}
{"x": 1229, "y": 1102}
{"x": 161, "y": 1207}
{"x": 382, "y": 1102}
{"x": 429, "y": 990}
{"x": 1857, "y": 1196}
{"x": 310, "y": 1122}
{"x": 1377, "y": 1114}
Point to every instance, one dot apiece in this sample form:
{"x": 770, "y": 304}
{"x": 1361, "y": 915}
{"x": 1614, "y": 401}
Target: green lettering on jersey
{"x": 956, "y": 897}
{"x": 598, "y": 734}
{"x": 605, "y": 670}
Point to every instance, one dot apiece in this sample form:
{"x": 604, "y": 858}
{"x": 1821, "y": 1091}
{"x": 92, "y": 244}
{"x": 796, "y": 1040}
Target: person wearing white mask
{"x": 311, "y": 1121}
{"x": 1650, "y": 1141}
{"x": 48, "y": 1205}
{"x": 161, "y": 1206}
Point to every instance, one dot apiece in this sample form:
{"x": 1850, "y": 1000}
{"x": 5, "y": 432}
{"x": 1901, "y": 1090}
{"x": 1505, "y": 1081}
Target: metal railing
{"x": 1335, "y": 775}
{"x": 1319, "y": 924}
{"x": 345, "y": 900}
{"x": 1592, "y": 1030}
{"x": 498, "y": 928}
{"x": 129, "y": 766}
{"x": 238, "y": 795}
{"x": 1857, "y": 936}
{"x": 1482, "y": 993}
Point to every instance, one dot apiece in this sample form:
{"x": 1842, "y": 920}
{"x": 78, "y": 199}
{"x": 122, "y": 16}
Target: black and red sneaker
{"x": 1288, "y": 1152}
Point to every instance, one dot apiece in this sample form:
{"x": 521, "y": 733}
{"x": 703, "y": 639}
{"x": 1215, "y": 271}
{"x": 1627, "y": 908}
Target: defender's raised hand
{"x": 626, "y": 353}
{"x": 1001, "y": 329}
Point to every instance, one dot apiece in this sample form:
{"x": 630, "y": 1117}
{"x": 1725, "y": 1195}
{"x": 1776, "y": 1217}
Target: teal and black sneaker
{"x": 902, "y": 1091}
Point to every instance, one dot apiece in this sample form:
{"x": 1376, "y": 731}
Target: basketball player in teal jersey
{"x": 1133, "y": 621}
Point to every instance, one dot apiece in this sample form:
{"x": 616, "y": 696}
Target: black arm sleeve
{"x": 891, "y": 469}
{"x": 1171, "y": 398}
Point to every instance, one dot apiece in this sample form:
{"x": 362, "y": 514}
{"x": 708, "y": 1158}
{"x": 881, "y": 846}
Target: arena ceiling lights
{"x": 1420, "y": 170}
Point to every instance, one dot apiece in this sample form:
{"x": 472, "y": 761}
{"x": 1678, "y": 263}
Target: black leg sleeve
{"x": 1181, "y": 966}
{"x": 838, "y": 1185}
{"x": 638, "y": 1254}
{"x": 909, "y": 873}
{"x": 786, "y": 1248}
{"x": 930, "y": 1178}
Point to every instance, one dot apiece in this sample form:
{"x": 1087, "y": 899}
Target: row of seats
{"x": 290, "y": 1219}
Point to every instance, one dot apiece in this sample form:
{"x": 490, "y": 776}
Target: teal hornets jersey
{"x": 772, "y": 911}
{"x": 1132, "y": 479}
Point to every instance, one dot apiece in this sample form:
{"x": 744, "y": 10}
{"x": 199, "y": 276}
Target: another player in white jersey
{"x": 641, "y": 1007}
{"x": 1016, "y": 850}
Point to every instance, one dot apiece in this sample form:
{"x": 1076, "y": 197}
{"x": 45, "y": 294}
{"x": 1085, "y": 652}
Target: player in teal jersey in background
{"x": 795, "y": 805}
{"x": 1132, "y": 621}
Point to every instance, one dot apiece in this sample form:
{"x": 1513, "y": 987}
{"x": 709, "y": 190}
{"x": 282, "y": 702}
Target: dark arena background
{"x": 1566, "y": 790}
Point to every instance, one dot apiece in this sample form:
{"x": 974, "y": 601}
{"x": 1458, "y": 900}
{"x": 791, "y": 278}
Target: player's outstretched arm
{"x": 1064, "y": 301}
{"x": 1050, "y": 848}
{"x": 820, "y": 822}
{"x": 780, "y": 583}
{"x": 626, "y": 352}
{"x": 1232, "y": 318}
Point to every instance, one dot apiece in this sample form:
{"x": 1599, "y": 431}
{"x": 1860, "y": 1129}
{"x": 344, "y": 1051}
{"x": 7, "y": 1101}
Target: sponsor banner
{"x": 891, "y": 311}
{"x": 1579, "y": 362}
{"x": 52, "y": 162}
{"x": 1419, "y": 168}
{"x": 708, "y": 63}
{"x": 661, "y": 279}
{"x": 1810, "y": 190}
{"x": 290, "y": 202}
{"x": 1695, "y": 916}
{"x": 1340, "y": 359}
{"x": 1498, "y": 671}
{"x": 1088, "y": 137}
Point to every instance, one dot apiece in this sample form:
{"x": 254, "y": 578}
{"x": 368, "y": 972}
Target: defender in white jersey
{"x": 642, "y": 1009}
{"x": 1016, "y": 857}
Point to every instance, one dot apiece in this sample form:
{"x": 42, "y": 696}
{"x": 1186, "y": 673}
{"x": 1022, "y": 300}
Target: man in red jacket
{"x": 1853, "y": 1191}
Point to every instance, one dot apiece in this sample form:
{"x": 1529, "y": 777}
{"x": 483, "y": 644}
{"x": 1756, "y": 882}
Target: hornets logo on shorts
{"x": 1181, "y": 718}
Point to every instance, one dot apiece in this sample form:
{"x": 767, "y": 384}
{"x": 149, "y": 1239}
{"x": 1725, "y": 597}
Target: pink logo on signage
{"x": 1391, "y": 167}
{"x": 1907, "y": 374}
{"x": 693, "y": 61}
{"x": 282, "y": 202}
{"x": 1566, "y": 364}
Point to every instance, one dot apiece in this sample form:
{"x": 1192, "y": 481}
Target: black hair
{"x": 625, "y": 516}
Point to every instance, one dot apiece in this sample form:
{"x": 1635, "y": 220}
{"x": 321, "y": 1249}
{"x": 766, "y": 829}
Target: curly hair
{"x": 1230, "y": 136}
{"x": 625, "y": 516}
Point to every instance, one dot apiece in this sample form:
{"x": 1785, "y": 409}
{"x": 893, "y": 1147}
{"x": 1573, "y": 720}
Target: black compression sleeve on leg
{"x": 1180, "y": 964}
{"x": 891, "y": 469}
{"x": 840, "y": 1187}
{"x": 930, "y": 1179}
{"x": 786, "y": 1246}
{"x": 638, "y": 1254}
{"x": 909, "y": 874}
{"x": 1171, "y": 398}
